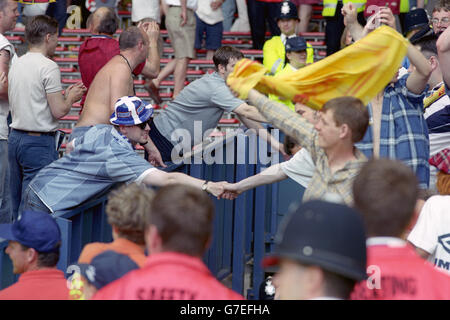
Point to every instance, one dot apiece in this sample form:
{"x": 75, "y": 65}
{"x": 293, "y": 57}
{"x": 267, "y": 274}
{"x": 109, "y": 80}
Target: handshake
{"x": 224, "y": 190}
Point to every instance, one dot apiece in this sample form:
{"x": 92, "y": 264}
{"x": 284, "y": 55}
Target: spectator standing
{"x": 178, "y": 230}
{"x": 31, "y": 144}
{"x": 305, "y": 10}
{"x": 228, "y": 10}
{"x": 34, "y": 244}
{"x": 241, "y": 24}
{"x": 334, "y": 18}
{"x": 321, "y": 252}
{"x": 260, "y": 13}
{"x": 387, "y": 204}
{"x": 101, "y": 47}
{"x": 126, "y": 210}
{"x": 398, "y": 128}
{"x": 180, "y": 24}
{"x": 274, "y": 53}
{"x": 209, "y": 24}
{"x": 8, "y": 17}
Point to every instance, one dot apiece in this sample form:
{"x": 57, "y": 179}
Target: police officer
{"x": 274, "y": 49}
{"x": 321, "y": 252}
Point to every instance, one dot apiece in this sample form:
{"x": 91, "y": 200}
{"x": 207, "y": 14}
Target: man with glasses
{"x": 103, "y": 158}
{"x": 441, "y": 17}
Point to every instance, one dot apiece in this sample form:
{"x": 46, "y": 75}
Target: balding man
{"x": 96, "y": 51}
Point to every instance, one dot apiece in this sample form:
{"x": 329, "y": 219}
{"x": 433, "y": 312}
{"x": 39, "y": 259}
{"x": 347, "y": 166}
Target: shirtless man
{"x": 115, "y": 80}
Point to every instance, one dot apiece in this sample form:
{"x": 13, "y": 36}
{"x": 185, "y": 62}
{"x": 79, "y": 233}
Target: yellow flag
{"x": 361, "y": 70}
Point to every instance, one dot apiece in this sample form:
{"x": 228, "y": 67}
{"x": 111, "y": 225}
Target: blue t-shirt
{"x": 102, "y": 157}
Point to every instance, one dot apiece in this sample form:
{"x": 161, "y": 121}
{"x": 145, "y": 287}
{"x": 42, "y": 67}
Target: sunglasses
{"x": 143, "y": 125}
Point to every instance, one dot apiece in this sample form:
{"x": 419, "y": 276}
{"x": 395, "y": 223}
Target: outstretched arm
{"x": 249, "y": 112}
{"x": 417, "y": 81}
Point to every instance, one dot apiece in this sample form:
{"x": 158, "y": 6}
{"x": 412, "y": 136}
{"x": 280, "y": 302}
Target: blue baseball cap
{"x": 288, "y": 10}
{"x": 37, "y": 230}
{"x": 106, "y": 267}
{"x": 295, "y": 44}
{"x": 130, "y": 111}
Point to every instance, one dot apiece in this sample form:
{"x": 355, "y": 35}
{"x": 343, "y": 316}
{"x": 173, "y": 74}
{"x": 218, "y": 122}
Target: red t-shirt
{"x": 44, "y": 284}
{"x": 94, "y": 53}
{"x": 168, "y": 276}
{"x": 398, "y": 273}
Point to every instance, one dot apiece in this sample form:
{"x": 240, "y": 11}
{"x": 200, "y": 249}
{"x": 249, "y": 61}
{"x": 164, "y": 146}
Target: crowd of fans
{"x": 374, "y": 219}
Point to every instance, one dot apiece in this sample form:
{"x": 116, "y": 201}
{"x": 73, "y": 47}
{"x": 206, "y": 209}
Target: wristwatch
{"x": 205, "y": 186}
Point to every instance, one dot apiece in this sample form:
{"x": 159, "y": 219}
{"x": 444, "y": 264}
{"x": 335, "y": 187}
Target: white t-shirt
{"x": 207, "y": 14}
{"x": 4, "y": 105}
{"x": 141, "y": 9}
{"x": 31, "y": 78}
{"x": 300, "y": 167}
{"x": 432, "y": 231}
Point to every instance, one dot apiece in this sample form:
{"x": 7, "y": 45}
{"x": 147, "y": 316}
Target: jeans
{"x": 31, "y": 202}
{"x": 5, "y": 192}
{"x": 27, "y": 155}
{"x": 228, "y": 10}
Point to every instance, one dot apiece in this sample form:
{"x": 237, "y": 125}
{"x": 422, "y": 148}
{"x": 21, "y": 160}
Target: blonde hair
{"x": 126, "y": 210}
{"x": 443, "y": 183}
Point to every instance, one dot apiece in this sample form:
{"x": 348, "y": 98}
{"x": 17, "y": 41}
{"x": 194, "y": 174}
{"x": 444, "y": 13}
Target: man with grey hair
{"x": 8, "y": 17}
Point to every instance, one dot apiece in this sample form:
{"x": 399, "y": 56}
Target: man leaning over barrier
{"x": 103, "y": 157}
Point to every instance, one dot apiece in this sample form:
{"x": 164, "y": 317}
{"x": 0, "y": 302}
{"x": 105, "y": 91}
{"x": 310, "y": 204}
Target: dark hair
{"x": 109, "y": 22}
{"x": 350, "y": 111}
{"x": 46, "y": 259}
{"x": 183, "y": 217}
{"x": 289, "y": 144}
{"x": 130, "y": 38}
{"x": 385, "y": 192}
{"x": 224, "y": 54}
{"x": 336, "y": 285}
{"x": 38, "y": 27}
{"x": 427, "y": 45}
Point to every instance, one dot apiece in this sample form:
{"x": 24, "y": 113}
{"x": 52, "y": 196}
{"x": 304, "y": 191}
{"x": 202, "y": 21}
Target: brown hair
{"x": 443, "y": 183}
{"x": 130, "y": 38}
{"x": 385, "y": 192}
{"x": 38, "y": 27}
{"x": 350, "y": 111}
{"x": 127, "y": 208}
{"x": 442, "y": 5}
{"x": 224, "y": 54}
{"x": 183, "y": 217}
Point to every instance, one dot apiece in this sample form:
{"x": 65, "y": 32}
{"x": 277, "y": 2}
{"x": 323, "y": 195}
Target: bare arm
{"x": 417, "y": 80}
{"x": 443, "y": 46}
{"x": 183, "y": 12}
{"x": 4, "y": 69}
{"x": 351, "y": 21}
{"x": 270, "y": 175}
{"x": 152, "y": 63}
{"x": 264, "y": 134}
{"x": 160, "y": 178}
{"x": 249, "y": 112}
{"x": 154, "y": 156}
{"x": 60, "y": 105}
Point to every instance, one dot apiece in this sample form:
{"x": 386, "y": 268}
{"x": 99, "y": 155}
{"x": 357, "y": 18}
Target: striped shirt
{"x": 101, "y": 159}
{"x": 324, "y": 184}
{"x": 403, "y": 131}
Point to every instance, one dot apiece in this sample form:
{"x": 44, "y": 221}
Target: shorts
{"x": 299, "y": 2}
{"x": 182, "y": 38}
{"x": 213, "y": 34}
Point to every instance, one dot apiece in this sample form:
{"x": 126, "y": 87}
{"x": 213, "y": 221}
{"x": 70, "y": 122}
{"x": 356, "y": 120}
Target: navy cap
{"x": 416, "y": 18}
{"x": 130, "y": 111}
{"x": 329, "y": 235}
{"x": 37, "y": 230}
{"x": 288, "y": 10}
{"x": 295, "y": 44}
{"x": 106, "y": 267}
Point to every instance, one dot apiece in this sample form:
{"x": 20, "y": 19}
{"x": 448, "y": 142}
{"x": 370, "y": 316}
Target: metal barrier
{"x": 243, "y": 231}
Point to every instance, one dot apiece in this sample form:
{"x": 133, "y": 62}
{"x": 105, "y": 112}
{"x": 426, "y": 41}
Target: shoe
{"x": 153, "y": 92}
